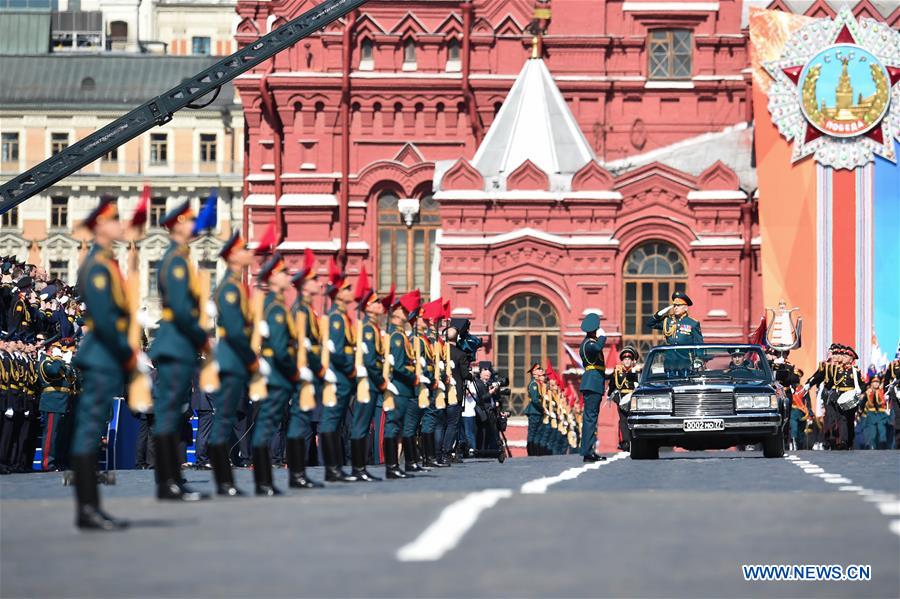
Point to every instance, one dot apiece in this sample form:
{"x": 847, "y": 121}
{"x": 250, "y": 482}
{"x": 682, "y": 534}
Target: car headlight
{"x": 757, "y": 402}
{"x": 654, "y": 403}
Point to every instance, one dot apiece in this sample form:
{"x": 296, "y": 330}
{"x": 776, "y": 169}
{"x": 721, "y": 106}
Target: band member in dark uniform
{"x": 623, "y": 380}
{"x": 837, "y": 376}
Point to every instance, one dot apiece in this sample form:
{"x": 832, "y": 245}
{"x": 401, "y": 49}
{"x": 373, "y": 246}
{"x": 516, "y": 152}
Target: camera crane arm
{"x": 160, "y": 109}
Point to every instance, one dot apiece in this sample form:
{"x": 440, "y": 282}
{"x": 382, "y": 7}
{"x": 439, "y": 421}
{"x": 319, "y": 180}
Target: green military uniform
{"x": 56, "y": 388}
{"x": 403, "y": 377}
{"x": 677, "y": 331}
{"x": 591, "y": 353}
{"x": 534, "y": 412}
{"x": 300, "y": 429}
{"x": 342, "y": 347}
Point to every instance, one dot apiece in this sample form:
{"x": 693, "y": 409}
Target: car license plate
{"x": 717, "y": 424}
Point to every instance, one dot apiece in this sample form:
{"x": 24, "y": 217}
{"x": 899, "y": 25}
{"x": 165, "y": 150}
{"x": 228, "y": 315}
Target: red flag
{"x": 363, "y": 290}
{"x": 447, "y": 311}
{"x": 140, "y": 213}
{"x": 268, "y": 241}
{"x": 433, "y": 311}
{"x": 388, "y": 300}
{"x": 758, "y": 337}
{"x": 612, "y": 357}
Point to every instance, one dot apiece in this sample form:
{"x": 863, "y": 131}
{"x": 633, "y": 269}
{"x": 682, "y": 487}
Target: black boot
{"x": 409, "y": 455}
{"x": 334, "y": 473}
{"x": 359, "y": 450}
{"x": 296, "y": 459}
{"x": 262, "y": 473}
{"x": 391, "y": 461}
{"x": 218, "y": 458}
{"x": 431, "y": 460}
{"x": 88, "y": 515}
{"x": 169, "y": 484}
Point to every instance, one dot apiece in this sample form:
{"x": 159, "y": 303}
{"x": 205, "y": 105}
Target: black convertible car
{"x": 706, "y": 397}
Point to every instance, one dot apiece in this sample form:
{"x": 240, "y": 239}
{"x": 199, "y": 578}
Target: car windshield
{"x": 740, "y": 364}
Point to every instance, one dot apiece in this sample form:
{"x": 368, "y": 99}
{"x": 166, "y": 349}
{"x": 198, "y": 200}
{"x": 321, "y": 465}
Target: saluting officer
{"x": 342, "y": 347}
{"x": 300, "y": 420}
{"x": 55, "y": 375}
{"x": 104, "y": 357}
{"x": 279, "y": 349}
{"x": 591, "y": 352}
{"x": 175, "y": 350}
{"x": 534, "y": 410}
{"x": 403, "y": 377}
{"x": 675, "y": 324}
{"x": 624, "y": 380}
{"x": 235, "y": 357}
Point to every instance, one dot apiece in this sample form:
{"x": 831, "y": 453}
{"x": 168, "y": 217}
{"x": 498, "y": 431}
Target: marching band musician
{"x": 837, "y": 376}
{"x": 175, "y": 350}
{"x": 534, "y": 410}
{"x": 300, "y": 421}
{"x": 875, "y": 415}
{"x": 623, "y": 379}
{"x": 403, "y": 376}
{"x": 235, "y": 357}
{"x": 104, "y": 357}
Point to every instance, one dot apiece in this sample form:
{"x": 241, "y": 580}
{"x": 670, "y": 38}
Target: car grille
{"x": 703, "y": 404}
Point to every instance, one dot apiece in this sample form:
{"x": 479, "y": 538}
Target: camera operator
{"x": 489, "y": 412}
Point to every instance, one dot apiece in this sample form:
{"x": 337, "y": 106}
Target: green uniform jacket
{"x": 403, "y": 372}
{"x": 233, "y": 352}
{"x": 55, "y": 386}
{"x": 373, "y": 358}
{"x": 179, "y": 336}
{"x": 591, "y": 352}
{"x": 683, "y": 331}
{"x": 280, "y": 347}
{"x": 105, "y": 346}
{"x": 534, "y": 407}
{"x": 313, "y": 336}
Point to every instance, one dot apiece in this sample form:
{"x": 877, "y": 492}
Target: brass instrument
{"x": 329, "y": 390}
{"x": 423, "y": 389}
{"x": 257, "y": 387}
{"x": 452, "y": 391}
{"x": 363, "y": 394}
{"x": 140, "y": 396}
{"x": 307, "y": 389}
{"x": 209, "y": 372}
{"x": 440, "y": 397}
{"x": 387, "y": 401}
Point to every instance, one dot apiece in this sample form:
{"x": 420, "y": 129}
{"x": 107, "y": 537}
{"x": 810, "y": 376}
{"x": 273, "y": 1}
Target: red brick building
{"x": 419, "y": 138}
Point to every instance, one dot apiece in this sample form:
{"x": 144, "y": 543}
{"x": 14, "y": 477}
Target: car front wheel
{"x": 773, "y": 446}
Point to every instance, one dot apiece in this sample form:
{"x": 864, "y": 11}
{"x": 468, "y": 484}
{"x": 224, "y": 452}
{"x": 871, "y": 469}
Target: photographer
{"x": 489, "y": 413}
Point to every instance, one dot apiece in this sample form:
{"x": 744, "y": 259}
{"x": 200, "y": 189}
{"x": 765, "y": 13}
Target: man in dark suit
{"x": 485, "y": 399}
{"x": 201, "y": 402}
{"x": 460, "y": 372}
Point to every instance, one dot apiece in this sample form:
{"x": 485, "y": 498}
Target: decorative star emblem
{"x": 843, "y": 141}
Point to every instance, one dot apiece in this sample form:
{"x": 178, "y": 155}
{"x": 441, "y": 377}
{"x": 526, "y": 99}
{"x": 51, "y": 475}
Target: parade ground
{"x": 681, "y": 526}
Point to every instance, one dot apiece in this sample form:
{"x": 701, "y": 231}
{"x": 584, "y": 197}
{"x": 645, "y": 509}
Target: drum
{"x": 849, "y": 400}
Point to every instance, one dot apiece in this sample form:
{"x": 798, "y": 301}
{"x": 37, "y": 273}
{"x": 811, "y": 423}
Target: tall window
{"x": 405, "y": 251}
{"x": 58, "y": 142}
{"x": 526, "y": 331}
{"x": 653, "y": 271}
{"x": 59, "y": 269}
{"x": 670, "y": 54}
{"x": 157, "y": 210}
{"x": 10, "y": 151}
{"x": 409, "y": 54}
{"x": 207, "y": 147}
{"x": 10, "y": 218}
{"x": 159, "y": 148}
{"x": 59, "y": 212}
{"x": 111, "y": 156}
{"x": 200, "y": 46}
{"x": 366, "y": 55}
{"x": 453, "y": 60}
{"x": 152, "y": 279}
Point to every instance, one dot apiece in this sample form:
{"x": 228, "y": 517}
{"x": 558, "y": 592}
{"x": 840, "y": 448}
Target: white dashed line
{"x": 540, "y": 485}
{"x": 886, "y": 503}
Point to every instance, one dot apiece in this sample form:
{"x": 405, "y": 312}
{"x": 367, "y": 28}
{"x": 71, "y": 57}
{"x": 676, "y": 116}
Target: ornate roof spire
{"x": 539, "y": 23}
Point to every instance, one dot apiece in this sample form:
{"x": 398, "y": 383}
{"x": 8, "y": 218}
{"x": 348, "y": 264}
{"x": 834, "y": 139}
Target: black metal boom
{"x": 160, "y": 109}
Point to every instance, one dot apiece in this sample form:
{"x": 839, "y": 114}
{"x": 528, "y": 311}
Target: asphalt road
{"x": 681, "y": 526}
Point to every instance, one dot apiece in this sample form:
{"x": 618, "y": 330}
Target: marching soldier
{"x": 533, "y": 410}
{"x": 363, "y": 409}
{"x": 414, "y": 413}
{"x": 55, "y": 377}
{"x": 235, "y": 357}
{"x": 623, "y": 380}
{"x": 433, "y": 417}
{"x": 591, "y": 353}
{"x": 176, "y": 348}
{"x": 378, "y": 415}
{"x": 279, "y": 349}
{"x": 837, "y": 376}
{"x": 104, "y": 358}
{"x": 403, "y": 376}
{"x": 875, "y": 415}
{"x": 341, "y": 347}
{"x": 300, "y": 421}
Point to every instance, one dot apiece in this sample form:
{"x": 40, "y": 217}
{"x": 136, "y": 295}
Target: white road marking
{"x": 886, "y": 503}
{"x": 540, "y": 485}
{"x": 445, "y": 532}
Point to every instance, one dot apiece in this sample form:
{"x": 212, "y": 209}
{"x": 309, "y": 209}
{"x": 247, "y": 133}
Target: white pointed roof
{"x": 533, "y": 124}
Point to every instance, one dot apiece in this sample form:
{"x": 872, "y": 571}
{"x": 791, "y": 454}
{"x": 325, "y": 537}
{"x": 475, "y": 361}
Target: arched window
{"x": 366, "y": 60}
{"x": 653, "y": 271}
{"x": 406, "y": 242}
{"x": 453, "y": 55}
{"x": 526, "y": 330}
{"x": 409, "y": 54}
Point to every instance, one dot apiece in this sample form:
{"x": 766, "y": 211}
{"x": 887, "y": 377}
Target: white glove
{"x": 392, "y": 388}
{"x": 806, "y": 387}
{"x": 452, "y": 381}
{"x": 424, "y": 380}
{"x": 330, "y": 377}
{"x": 143, "y": 318}
{"x": 440, "y": 365}
{"x": 601, "y": 332}
{"x": 8, "y": 413}
{"x": 27, "y": 412}
{"x": 212, "y": 310}
{"x": 67, "y": 356}
{"x": 664, "y": 311}
{"x": 331, "y": 348}
{"x": 441, "y": 386}
{"x": 143, "y": 363}
{"x": 307, "y": 344}
{"x": 306, "y": 375}
{"x": 452, "y": 364}
{"x": 391, "y": 359}
{"x": 265, "y": 369}
{"x": 56, "y": 352}
{"x": 361, "y": 371}
{"x": 365, "y": 349}
{"x": 422, "y": 361}
{"x": 263, "y": 328}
